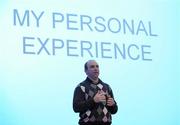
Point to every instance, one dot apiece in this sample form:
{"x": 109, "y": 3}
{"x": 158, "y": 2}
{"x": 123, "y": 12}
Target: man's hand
{"x": 100, "y": 97}
{"x": 110, "y": 101}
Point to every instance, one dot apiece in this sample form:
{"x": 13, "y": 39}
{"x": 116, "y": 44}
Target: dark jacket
{"x": 89, "y": 111}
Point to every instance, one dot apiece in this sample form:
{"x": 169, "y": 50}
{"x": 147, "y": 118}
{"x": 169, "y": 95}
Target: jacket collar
{"x": 91, "y": 82}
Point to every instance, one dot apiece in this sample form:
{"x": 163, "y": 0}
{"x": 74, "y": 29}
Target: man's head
{"x": 91, "y": 69}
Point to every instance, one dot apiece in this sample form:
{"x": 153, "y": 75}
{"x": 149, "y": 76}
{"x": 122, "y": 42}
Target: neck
{"x": 95, "y": 81}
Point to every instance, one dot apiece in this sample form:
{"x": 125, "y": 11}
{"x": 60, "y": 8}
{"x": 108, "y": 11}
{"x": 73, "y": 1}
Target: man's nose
{"x": 96, "y": 68}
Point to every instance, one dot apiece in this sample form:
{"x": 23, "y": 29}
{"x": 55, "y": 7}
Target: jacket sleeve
{"x": 80, "y": 104}
{"x": 113, "y": 109}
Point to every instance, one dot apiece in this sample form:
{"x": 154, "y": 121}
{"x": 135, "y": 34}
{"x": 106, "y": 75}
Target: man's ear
{"x": 86, "y": 72}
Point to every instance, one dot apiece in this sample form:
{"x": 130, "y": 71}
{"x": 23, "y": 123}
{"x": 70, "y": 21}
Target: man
{"x": 93, "y": 98}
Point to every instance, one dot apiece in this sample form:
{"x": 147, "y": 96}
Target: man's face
{"x": 92, "y": 69}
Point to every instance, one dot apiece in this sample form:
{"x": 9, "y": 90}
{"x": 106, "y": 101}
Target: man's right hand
{"x": 100, "y": 97}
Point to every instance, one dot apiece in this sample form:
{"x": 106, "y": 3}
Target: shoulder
{"x": 106, "y": 85}
{"x": 103, "y": 83}
{"x": 82, "y": 86}
{"x": 83, "y": 83}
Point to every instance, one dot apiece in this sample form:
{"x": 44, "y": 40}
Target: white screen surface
{"x": 44, "y": 46}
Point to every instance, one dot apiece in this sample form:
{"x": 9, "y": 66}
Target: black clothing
{"x": 92, "y": 113}
{"x": 96, "y": 123}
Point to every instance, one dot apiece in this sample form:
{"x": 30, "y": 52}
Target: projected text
{"x": 84, "y": 23}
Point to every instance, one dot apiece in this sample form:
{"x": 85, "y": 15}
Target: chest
{"x": 91, "y": 89}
